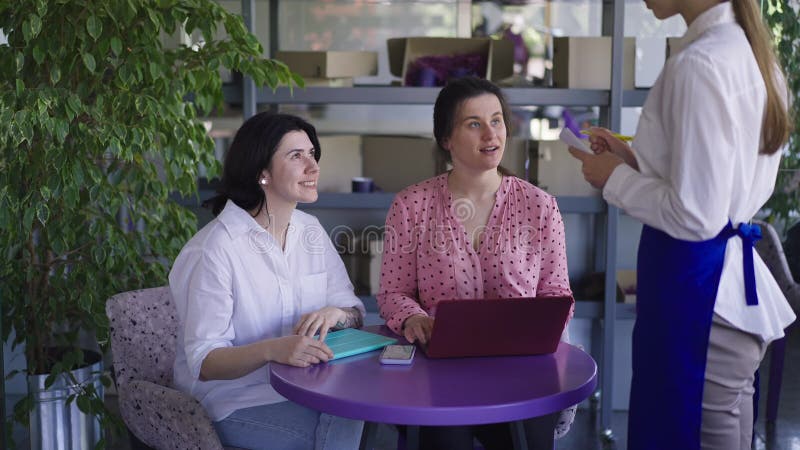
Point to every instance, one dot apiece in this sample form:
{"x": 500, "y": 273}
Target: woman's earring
{"x": 264, "y": 181}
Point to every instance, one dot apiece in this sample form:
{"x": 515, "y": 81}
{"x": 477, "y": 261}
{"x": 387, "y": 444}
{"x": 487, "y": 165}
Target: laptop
{"x": 500, "y": 327}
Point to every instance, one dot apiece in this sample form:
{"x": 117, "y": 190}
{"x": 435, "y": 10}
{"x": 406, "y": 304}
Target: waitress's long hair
{"x": 249, "y": 154}
{"x": 777, "y": 123}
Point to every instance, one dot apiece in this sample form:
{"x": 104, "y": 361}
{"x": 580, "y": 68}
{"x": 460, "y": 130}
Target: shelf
{"x": 331, "y": 200}
{"x": 383, "y": 200}
{"x": 583, "y": 309}
{"x": 397, "y": 95}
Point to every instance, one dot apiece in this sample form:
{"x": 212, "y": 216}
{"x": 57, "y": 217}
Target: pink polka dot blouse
{"x": 428, "y": 256}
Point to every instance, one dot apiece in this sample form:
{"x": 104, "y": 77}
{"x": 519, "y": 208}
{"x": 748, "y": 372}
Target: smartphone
{"x": 397, "y": 354}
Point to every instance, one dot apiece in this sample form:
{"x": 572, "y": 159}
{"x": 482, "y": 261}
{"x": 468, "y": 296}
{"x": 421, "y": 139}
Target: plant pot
{"x": 54, "y": 425}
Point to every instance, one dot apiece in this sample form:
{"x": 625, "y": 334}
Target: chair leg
{"x": 775, "y": 378}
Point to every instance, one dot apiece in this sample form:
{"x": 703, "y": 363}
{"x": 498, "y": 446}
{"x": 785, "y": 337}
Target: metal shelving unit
{"x": 396, "y": 95}
{"x": 611, "y": 102}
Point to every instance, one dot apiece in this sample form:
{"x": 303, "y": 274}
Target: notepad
{"x": 569, "y": 138}
{"x": 349, "y": 342}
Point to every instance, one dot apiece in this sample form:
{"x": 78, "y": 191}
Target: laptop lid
{"x": 500, "y": 327}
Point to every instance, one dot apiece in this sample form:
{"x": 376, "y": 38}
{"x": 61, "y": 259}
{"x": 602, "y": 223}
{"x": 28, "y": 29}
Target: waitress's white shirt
{"x": 697, "y": 148}
{"x": 232, "y": 285}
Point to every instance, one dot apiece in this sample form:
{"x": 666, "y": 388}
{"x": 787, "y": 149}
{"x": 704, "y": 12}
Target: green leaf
{"x": 116, "y": 45}
{"x": 99, "y": 255}
{"x": 62, "y": 129}
{"x": 20, "y": 58}
{"x": 20, "y": 87}
{"x": 84, "y": 404}
{"x": 27, "y": 220}
{"x": 88, "y": 61}
{"x": 38, "y": 55}
{"x": 73, "y": 105}
{"x": 298, "y": 80}
{"x": 94, "y": 27}
{"x": 43, "y": 213}
{"x": 55, "y": 74}
{"x": 26, "y": 31}
{"x": 36, "y": 25}
{"x": 51, "y": 378}
{"x": 45, "y": 192}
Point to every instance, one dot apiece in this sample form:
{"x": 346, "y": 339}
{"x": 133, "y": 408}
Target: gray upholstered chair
{"x": 771, "y": 251}
{"x": 144, "y": 328}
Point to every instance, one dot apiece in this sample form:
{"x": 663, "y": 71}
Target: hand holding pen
{"x": 604, "y": 140}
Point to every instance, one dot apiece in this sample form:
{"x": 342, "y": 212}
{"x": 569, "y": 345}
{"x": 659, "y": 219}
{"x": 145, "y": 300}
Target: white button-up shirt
{"x": 232, "y": 285}
{"x": 697, "y": 148}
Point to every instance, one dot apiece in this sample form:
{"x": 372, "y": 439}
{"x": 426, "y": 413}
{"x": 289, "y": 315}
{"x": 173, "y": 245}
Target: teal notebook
{"x": 349, "y": 342}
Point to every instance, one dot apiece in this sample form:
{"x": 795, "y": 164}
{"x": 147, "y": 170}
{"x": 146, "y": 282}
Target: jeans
{"x": 288, "y": 426}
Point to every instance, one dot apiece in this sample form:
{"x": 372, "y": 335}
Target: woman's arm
{"x": 227, "y": 363}
{"x": 553, "y": 272}
{"x": 691, "y": 202}
{"x": 397, "y": 297}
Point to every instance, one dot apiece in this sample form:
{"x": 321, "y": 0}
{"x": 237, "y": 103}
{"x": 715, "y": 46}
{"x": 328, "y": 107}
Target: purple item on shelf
{"x": 570, "y": 123}
{"x": 435, "y": 70}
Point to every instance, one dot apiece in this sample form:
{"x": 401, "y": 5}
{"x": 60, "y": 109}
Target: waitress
{"x": 707, "y": 151}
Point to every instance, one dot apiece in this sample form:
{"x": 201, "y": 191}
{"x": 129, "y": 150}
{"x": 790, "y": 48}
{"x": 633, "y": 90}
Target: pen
{"x": 621, "y": 137}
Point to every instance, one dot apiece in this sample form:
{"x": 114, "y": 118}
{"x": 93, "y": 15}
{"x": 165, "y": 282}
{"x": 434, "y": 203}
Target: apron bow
{"x": 749, "y": 234}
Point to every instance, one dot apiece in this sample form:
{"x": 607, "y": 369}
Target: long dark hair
{"x": 777, "y": 124}
{"x": 450, "y": 98}
{"x": 249, "y": 154}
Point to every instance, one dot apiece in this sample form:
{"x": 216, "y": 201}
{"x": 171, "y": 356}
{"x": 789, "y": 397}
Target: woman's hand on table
{"x": 417, "y": 328}
{"x": 299, "y": 351}
{"x": 320, "y": 321}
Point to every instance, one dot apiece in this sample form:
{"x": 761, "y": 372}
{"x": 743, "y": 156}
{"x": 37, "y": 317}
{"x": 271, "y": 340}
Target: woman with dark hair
{"x": 708, "y": 148}
{"x": 255, "y": 285}
{"x": 473, "y": 232}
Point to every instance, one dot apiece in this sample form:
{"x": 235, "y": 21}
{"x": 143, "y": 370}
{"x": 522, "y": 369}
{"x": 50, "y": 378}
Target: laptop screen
{"x": 498, "y": 327}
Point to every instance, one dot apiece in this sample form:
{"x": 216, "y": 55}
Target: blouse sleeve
{"x": 397, "y": 296}
{"x": 209, "y": 310}
{"x": 553, "y": 275}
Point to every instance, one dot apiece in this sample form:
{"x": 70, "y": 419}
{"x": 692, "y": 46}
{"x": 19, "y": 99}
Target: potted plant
{"x": 783, "y": 18}
{"x": 96, "y": 133}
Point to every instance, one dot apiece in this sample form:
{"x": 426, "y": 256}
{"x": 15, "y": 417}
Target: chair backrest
{"x": 144, "y": 330}
{"x": 771, "y": 251}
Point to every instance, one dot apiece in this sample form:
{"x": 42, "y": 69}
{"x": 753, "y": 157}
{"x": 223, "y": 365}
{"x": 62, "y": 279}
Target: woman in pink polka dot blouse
{"x": 473, "y": 232}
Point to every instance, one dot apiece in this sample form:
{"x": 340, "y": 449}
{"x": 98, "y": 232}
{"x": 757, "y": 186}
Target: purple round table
{"x": 460, "y": 391}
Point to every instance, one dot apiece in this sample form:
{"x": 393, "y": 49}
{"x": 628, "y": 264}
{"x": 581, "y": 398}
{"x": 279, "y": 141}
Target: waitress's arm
{"x": 698, "y": 121}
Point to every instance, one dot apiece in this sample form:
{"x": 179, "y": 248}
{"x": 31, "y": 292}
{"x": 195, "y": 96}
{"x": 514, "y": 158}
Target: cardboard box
{"x": 340, "y": 162}
{"x": 559, "y": 173}
{"x": 396, "y": 162}
{"x": 328, "y": 82}
{"x": 585, "y": 62}
{"x": 499, "y": 53}
{"x": 626, "y": 280}
{"x": 330, "y": 64}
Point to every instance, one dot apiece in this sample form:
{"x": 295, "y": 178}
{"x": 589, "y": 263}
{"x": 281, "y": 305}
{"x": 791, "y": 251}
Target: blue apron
{"x": 677, "y": 285}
